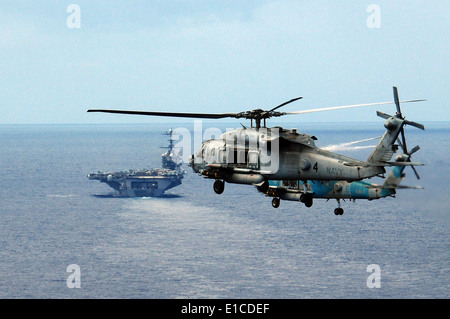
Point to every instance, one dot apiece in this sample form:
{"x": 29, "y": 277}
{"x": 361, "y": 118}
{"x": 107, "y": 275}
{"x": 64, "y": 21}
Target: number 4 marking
{"x": 315, "y": 167}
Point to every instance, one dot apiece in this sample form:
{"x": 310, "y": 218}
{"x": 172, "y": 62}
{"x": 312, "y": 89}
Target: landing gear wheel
{"x": 309, "y": 202}
{"x": 275, "y": 202}
{"x": 306, "y": 199}
{"x": 338, "y": 211}
{"x": 303, "y": 197}
{"x": 219, "y": 186}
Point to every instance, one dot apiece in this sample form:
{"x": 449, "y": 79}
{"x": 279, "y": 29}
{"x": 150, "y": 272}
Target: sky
{"x": 221, "y": 56}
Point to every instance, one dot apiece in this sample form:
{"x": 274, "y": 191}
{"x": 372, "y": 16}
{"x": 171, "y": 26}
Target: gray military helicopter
{"x": 258, "y": 154}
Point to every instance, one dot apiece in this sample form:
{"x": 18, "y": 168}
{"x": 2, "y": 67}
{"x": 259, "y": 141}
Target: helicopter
{"x": 258, "y": 154}
{"x": 295, "y": 190}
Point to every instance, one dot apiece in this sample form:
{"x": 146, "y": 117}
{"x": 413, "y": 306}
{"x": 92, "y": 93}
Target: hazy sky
{"x": 221, "y": 56}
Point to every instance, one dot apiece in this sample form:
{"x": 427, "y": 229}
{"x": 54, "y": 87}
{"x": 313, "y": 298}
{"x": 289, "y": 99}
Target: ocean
{"x": 196, "y": 244}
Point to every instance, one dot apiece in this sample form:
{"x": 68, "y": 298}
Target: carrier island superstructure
{"x": 146, "y": 182}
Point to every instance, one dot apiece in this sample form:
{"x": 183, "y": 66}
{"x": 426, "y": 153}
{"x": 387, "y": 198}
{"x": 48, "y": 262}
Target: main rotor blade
{"x": 347, "y": 107}
{"x": 170, "y": 114}
{"x": 283, "y": 104}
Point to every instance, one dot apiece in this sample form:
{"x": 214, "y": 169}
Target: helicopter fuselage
{"x": 255, "y": 155}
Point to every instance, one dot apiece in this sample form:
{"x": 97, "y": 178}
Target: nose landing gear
{"x": 219, "y": 186}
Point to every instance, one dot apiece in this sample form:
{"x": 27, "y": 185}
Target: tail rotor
{"x": 402, "y": 132}
{"x": 399, "y": 116}
{"x": 415, "y": 149}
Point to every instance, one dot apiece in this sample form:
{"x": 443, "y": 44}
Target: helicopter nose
{"x": 192, "y": 164}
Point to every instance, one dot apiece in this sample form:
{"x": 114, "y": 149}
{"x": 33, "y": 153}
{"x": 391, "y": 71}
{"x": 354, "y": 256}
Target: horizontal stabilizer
{"x": 402, "y": 164}
{"x": 382, "y": 164}
{"x": 394, "y": 187}
{"x": 410, "y": 187}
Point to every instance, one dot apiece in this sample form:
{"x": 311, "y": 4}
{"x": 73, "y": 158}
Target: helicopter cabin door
{"x": 243, "y": 157}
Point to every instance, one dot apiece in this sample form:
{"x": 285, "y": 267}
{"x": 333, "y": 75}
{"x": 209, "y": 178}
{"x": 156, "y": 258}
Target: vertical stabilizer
{"x": 386, "y": 148}
{"x": 394, "y": 177}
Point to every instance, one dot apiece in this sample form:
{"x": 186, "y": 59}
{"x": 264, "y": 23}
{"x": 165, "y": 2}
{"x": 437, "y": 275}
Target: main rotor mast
{"x": 258, "y": 116}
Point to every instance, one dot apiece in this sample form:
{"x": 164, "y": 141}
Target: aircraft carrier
{"x": 146, "y": 182}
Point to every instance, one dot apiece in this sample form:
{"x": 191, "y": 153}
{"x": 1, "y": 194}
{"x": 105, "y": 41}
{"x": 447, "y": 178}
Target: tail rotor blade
{"x": 383, "y": 115}
{"x": 397, "y": 102}
{"x": 399, "y": 111}
{"x": 415, "y": 172}
{"x": 418, "y": 125}
{"x": 415, "y": 149}
{"x": 399, "y": 143}
{"x": 402, "y": 133}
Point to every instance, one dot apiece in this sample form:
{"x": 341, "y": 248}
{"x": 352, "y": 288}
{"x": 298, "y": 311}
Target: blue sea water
{"x": 197, "y": 244}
